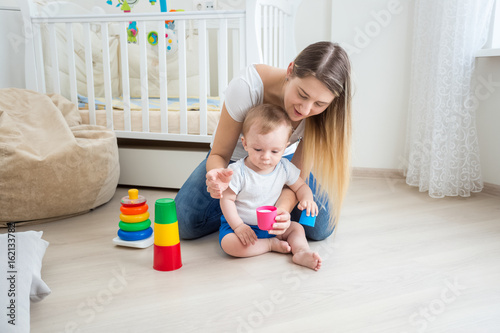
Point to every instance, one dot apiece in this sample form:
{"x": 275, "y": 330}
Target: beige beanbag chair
{"x": 50, "y": 164}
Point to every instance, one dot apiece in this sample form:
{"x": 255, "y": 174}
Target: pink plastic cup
{"x": 266, "y": 216}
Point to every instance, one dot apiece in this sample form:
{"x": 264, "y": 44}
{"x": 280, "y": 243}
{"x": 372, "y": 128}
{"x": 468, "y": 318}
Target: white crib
{"x": 142, "y": 92}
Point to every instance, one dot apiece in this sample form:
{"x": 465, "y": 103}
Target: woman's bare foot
{"x": 307, "y": 258}
{"x": 280, "y": 245}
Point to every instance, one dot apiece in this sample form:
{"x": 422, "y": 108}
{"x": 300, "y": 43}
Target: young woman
{"x": 315, "y": 91}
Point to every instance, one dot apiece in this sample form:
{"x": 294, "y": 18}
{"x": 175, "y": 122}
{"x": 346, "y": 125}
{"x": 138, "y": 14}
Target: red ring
{"x": 133, "y": 204}
{"x": 127, "y": 210}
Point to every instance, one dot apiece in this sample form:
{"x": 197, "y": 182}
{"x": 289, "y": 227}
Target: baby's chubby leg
{"x": 302, "y": 253}
{"x": 232, "y": 245}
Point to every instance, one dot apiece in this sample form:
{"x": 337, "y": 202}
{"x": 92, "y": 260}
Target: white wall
{"x": 9, "y": 3}
{"x": 377, "y": 35}
{"x": 487, "y": 92}
{"x": 312, "y": 22}
{"x": 11, "y": 46}
{"x": 380, "y": 49}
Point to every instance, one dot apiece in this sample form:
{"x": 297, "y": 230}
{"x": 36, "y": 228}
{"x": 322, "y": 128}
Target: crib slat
{"x": 70, "y": 49}
{"x": 223, "y": 55}
{"x": 265, "y": 27}
{"x": 235, "y": 51}
{"x": 40, "y": 72}
{"x": 162, "y": 59}
{"x": 54, "y": 59}
{"x": 107, "y": 75}
{"x": 144, "y": 75}
{"x": 202, "y": 50}
{"x": 89, "y": 72}
{"x": 269, "y": 33}
{"x": 282, "y": 39}
{"x": 275, "y": 39}
{"x": 209, "y": 86}
{"x": 243, "y": 61}
{"x": 181, "y": 36}
{"x": 125, "y": 76}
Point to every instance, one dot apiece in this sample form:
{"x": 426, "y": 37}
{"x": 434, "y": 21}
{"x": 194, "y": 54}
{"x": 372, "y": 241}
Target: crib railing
{"x": 273, "y": 22}
{"x": 257, "y": 35}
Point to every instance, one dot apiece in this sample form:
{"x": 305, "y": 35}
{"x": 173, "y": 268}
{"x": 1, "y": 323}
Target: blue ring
{"x": 135, "y": 235}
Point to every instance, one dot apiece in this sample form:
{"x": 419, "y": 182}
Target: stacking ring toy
{"x": 134, "y": 226}
{"x": 134, "y": 218}
{"x": 134, "y": 210}
{"x": 135, "y": 235}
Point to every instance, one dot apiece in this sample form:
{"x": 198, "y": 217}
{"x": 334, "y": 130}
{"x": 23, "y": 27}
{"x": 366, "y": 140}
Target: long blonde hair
{"x": 327, "y": 136}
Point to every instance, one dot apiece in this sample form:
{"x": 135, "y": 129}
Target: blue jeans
{"x": 199, "y": 214}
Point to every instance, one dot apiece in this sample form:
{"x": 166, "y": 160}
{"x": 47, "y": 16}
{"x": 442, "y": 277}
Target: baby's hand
{"x": 310, "y": 206}
{"x": 246, "y": 235}
{"x": 282, "y": 222}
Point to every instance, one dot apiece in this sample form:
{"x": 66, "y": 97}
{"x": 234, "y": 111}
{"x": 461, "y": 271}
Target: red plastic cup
{"x": 167, "y": 258}
{"x": 266, "y": 217}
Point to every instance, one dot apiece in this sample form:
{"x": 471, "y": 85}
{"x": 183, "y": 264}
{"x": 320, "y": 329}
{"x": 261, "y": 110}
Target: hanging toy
{"x": 126, "y": 7}
{"x": 170, "y": 24}
{"x": 153, "y": 38}
{"x": 171, "y": 40}
{"x": 163, "y": 6}
{"x": 132, "y": 32}
{"x": 170, "y": 35}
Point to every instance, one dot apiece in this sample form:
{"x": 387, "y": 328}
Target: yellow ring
{"x": 134, "y": 218}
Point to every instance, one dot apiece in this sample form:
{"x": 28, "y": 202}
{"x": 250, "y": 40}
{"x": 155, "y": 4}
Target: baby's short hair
{"x": 268, "y": 116}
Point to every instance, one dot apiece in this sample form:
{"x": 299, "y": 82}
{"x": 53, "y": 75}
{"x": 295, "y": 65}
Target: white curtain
{"x": 442, "y": 148}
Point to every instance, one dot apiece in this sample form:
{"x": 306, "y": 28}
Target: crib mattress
{"x": 174, "y": 114}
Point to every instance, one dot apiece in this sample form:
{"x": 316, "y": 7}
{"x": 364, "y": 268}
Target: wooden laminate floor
{"x": 399, "y": 262}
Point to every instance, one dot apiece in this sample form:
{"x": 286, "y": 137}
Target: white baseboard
{"x": 489, "y": 188}
{"x": 377, "y": 173}
{"x": 158, "y": 167}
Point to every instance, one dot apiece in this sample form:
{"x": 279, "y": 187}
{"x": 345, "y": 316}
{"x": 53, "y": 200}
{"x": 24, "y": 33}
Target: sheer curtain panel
{"x": 441, "y": 148}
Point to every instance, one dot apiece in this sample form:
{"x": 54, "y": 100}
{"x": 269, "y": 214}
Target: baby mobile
{"x": 132, "y": 30}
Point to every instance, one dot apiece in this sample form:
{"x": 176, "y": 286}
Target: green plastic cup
{"x": 165, "y": 212}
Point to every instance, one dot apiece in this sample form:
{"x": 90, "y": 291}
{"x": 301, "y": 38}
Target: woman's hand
{"x": 246, "y": 235}
{"x": 282, "y": 222}
{"x": 218, "y": 181}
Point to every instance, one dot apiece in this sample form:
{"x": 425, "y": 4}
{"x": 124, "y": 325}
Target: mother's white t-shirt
{"x": 243, "y": 93}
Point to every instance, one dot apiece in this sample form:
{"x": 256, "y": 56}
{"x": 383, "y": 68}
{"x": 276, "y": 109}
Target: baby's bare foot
{"x": 308, "y": 258}
{"x": 280, "y": 245}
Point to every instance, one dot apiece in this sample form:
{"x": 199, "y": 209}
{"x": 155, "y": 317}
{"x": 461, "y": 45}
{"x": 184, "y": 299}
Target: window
{"x": 492, "y": 46}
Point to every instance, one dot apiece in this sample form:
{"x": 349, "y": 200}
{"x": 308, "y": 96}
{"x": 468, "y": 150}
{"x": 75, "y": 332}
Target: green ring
{"x": 134, "y": 226}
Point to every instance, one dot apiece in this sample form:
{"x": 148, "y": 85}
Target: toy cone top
{"x": 125, "y": 6}
{"x": 133, "y": 199}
